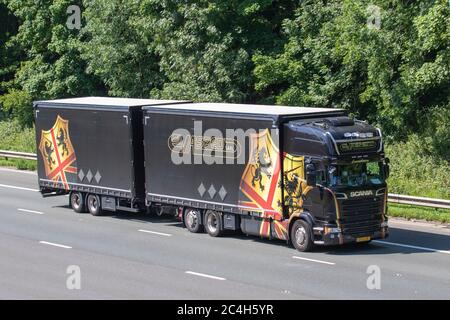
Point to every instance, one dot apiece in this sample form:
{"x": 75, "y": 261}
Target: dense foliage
{"x": 387, "y": 61}
{"x": 396, "y": 75}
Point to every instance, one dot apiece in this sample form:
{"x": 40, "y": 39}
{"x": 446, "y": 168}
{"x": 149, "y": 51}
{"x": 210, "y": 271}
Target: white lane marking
{"x": 55, "y": 244}
{"x": 29, "y": 211}
{"x": 411, "y": 247}
{"x": 154, "y": 232}
{"x": 314, "y": 260}
{"x": 19, "y": 188}
{"x": 205, "y": 275}
{"x": 18, "y": 171}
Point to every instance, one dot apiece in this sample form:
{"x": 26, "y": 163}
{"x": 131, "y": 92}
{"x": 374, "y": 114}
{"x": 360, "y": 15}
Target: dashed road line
{"x": 55, "y": 244}
{"x": 205, "y": 275}
{"x": 154, "y": 232}
{"x": 314, "y": 260}
{"x": 29, "y": 211}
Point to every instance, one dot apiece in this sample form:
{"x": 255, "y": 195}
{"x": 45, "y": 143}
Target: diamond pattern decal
{"x": 81, "y": 175}
{"x": 222, "y": 193}
{"x": 98, "y": 177}
{"x": 89, "y": 176}
{"x": 201, "y": 189}
{"x": 212, "y": 191}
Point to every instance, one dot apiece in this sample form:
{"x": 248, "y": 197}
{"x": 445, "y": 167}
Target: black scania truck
{"x": 305, "y": 175}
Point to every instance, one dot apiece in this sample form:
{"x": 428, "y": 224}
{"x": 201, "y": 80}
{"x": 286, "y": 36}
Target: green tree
{"x": 9, "y": 56}
{"x": 206, "y": 47}
{"x": 18, "y": 104}
{"x": 394, "y": 75}
{"x": 116, "y": 49}
{"x": 52, "y": 66}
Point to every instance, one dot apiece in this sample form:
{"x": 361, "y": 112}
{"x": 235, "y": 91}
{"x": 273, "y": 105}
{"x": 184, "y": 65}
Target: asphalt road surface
{"x": 137, "y": 256}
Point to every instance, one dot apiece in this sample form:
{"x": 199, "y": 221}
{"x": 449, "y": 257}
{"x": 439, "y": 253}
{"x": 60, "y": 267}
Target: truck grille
{"x": 361, "y": 217}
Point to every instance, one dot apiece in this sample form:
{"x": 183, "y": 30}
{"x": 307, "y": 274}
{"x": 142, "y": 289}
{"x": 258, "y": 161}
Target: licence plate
{"x": 362, "y": 239}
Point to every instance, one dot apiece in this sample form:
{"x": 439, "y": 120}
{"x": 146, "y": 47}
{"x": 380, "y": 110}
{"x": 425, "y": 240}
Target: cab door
{"x": 314, "y": 197}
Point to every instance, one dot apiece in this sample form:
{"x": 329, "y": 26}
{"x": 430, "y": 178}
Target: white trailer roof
{"x": 173, "y": 105}
{"x": 110, "y": 101}
{"x": 246, "y": 108}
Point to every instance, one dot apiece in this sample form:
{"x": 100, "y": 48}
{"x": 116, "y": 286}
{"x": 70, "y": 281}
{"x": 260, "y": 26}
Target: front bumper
{"x": 321, "y": 237}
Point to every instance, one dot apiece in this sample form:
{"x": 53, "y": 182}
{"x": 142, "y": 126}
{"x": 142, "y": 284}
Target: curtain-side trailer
{"x": 92, "y": 148}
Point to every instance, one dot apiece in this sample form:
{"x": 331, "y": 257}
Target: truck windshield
{"x": 356, "y": 174}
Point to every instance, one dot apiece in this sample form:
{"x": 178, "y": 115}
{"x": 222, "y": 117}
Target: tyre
{"x": 77, "y": 201}
{"x": 159, "y": 211}
{"x": 94, "y": 205}
{"x": 213, "y": 223}
{"x": 192, "y": 220}
{"x": 301, "y": 236}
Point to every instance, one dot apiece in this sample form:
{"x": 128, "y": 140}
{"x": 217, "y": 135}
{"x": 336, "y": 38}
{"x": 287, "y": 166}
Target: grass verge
{"x": 420, "y": 213}
{"x": 19, "y": 164}
{"x": 15, "y": 138}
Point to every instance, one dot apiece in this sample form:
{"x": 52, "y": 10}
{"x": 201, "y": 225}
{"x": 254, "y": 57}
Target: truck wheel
{"x": 93, "y": 204}
{"x": 77, "y": 202}
{"x": 159, "y": 211}
{"x": 192, "y": 220}
{"x": 213, "y": 223}
{"x": 301, "y": 235}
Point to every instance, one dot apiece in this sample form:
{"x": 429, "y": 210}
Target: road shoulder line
{"x": 411, "y": 246}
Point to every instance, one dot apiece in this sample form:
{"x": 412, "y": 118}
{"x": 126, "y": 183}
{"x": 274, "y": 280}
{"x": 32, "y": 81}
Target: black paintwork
{"x": 103, "y": 140}
{"x": 311, "y": 138}
{"x": 172, "y": 181}
{"x": 314, "y": 137}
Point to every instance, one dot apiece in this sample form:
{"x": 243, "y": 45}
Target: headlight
{"x": 332, "y": 230}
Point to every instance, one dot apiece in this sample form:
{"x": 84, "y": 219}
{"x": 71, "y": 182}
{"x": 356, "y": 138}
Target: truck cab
{"x": 341, "y": 173}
